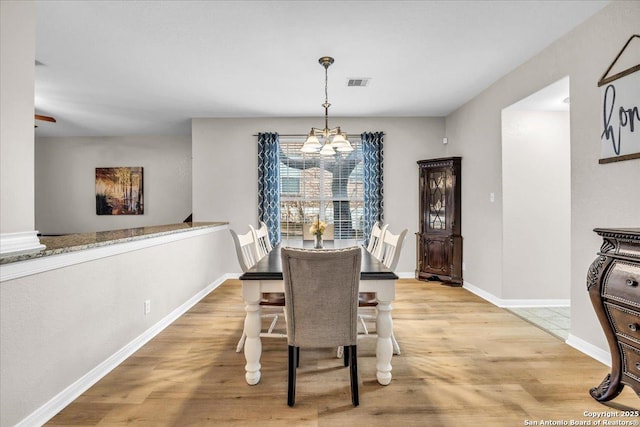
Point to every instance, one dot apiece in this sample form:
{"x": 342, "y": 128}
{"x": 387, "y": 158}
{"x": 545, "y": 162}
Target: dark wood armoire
{"x": 613, "y": 282}
{"x": 439, "y": 243}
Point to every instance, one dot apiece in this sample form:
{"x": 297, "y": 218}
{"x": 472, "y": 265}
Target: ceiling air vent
{"x": 359, "y": 82}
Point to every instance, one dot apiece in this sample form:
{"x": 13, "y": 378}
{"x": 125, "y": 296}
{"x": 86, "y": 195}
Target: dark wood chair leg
{"x": 355, "y": 398}
{"x": 291, "y": 389}
{"x": 297, "y": 357}
{"x": 345, "y": 351}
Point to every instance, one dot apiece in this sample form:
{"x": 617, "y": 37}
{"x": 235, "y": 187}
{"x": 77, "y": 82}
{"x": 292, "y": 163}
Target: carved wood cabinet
{"x": 439, "y": 243}
{"x": 613, "y": 284}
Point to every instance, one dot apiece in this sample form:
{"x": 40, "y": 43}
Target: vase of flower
{"x": 317, "y": 229}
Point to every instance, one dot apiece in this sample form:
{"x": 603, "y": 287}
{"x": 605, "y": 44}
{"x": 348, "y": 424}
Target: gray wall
{"x": 225, "y": 167}
{"x": 65, "y": 181}
{"x": 600, "y": 194}
{"x": 58, "y": 326}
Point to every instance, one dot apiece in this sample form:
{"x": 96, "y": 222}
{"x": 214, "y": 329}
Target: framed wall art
{"x": 119, "y": 191}
{"x": 620, "y": 100}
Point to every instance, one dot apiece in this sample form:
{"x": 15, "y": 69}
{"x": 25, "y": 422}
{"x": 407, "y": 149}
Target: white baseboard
{"x": 589, "y": 349}
{"x": 73, "y": 391}
{"x": 481, "y": 293}
{"x": 406, "y": 275}
{"x": 513, "y": 303}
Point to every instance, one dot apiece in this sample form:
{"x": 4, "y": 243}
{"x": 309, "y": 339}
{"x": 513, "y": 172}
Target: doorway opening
{"x": 536, "y": 190}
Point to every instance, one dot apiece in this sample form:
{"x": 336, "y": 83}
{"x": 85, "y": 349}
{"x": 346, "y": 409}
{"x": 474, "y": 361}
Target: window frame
{"x": 324, "y": 198}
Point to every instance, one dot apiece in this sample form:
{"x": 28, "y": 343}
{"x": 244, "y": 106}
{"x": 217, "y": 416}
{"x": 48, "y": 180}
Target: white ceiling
{"x": 554, "y": 97}
{"x": 148, "y": 67}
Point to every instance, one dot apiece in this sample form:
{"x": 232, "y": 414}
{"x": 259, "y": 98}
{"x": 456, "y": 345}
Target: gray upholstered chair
{"x": 247, "y": 258}
{"x": 321, "y": 291}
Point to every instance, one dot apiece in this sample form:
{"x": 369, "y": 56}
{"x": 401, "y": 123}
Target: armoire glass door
{"x": 436, "y": 203}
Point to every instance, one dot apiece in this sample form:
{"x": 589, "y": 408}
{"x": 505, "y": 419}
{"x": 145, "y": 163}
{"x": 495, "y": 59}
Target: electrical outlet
{"x": 147, "y": 306}
{"x": 464, "y": 267}
{"x": 492, "y": 197}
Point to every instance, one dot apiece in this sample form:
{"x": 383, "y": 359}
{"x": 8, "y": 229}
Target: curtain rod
{"x": 305, "y": 135}
{"x": 287, "y": 134}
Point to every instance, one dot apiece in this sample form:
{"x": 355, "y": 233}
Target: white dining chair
{"x": 390, "y": 248}
{"x": 375, "y": 239}
{"x": 261, "y": 238}
{"x": 245, "y": 249}
{"x": 247, "y": 258}
{"x": 389, "y": 254}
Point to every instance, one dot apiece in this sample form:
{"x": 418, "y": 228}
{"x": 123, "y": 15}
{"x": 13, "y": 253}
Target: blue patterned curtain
{"x": 269, "y": 183}
{"x": 373, "y": 179}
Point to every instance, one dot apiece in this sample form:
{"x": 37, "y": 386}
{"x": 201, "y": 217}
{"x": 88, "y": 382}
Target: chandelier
{"x": 327, "y": 141}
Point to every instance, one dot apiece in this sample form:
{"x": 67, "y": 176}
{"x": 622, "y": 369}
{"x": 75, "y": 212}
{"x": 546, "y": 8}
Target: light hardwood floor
{"x": 463, "y": 362}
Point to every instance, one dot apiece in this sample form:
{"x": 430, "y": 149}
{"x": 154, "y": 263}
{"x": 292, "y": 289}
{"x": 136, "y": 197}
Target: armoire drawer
{"x": 625, "y": 322}
{"x": 623, "y": 283}
{"x": 630, "y": 361}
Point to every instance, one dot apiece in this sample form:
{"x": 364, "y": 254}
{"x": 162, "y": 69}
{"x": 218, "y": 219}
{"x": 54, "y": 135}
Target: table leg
{"x": 384, "y": 346}
{"x": 252, "y": 344}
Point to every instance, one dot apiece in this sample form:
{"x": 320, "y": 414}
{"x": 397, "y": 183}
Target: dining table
{"x": 266, "y": 276}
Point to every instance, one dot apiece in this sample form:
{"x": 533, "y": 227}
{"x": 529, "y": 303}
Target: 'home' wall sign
{"x": 620, "y": 117}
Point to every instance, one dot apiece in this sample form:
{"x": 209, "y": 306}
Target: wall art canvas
{"x": 620, "y": 135}
{"x": 119, "y": 191}
{"x": 620, "y": 105}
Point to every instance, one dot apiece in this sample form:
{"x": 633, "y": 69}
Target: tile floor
{"x": 554, "y": 320}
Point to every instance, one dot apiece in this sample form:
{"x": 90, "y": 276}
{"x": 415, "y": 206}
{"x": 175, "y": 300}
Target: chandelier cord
{"x": 326, "y": 84}
{"x": 326, "y": 104}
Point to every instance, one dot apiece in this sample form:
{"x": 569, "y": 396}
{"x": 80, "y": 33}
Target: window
{"x": 325, "y": 187}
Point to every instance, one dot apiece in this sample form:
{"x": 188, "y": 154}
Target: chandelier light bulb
{"x": 345, "y": 149}
{"x": 308, "y": 148}
{"x": 312, "y": 144}
{"x": 339, "y": 141}
{"x": 327, "y": 150}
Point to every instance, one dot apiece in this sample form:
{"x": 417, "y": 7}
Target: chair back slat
{"x": 390, "y": 248}
{"x": 261, "y": 238}
{"x": 245, "y": 249}
{"x": 375, "y": 239}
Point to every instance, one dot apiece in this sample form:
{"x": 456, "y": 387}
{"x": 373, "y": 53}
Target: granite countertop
{"x": 77, "y": 242}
